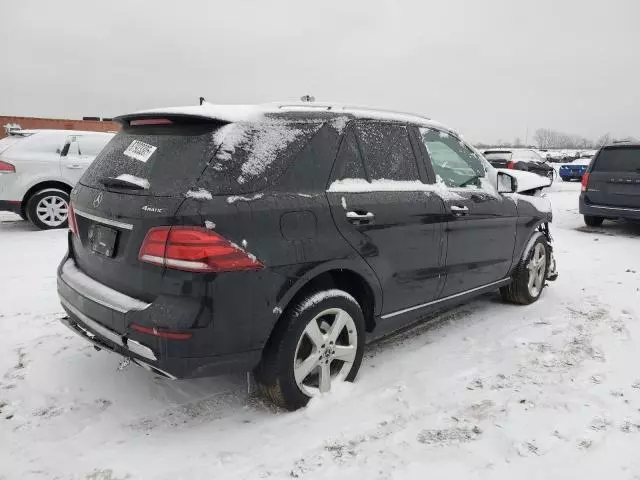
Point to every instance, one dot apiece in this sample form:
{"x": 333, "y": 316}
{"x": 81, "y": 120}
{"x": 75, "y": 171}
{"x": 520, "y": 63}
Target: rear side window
{"x": 618, "y": 159}
{"x": 349, "y": 162}
{"x": 387, "y": 151}
{"x": 222, "y": 158}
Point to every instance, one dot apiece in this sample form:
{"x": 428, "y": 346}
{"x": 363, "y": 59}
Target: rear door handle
{"x": 360, "y": 217}
{"x": 457, "y": 210}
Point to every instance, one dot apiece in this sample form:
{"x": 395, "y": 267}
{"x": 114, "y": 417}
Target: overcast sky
{"x": 489, "y": 68}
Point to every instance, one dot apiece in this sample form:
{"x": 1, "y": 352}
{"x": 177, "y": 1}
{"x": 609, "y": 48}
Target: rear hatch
{"x": 178, "y": 170}
{"x": 137, "y": 182}
{"x": 614, "y": 178}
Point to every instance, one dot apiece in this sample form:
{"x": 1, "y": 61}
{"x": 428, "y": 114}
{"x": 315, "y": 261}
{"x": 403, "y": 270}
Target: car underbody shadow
{"x": 617, "y": 228}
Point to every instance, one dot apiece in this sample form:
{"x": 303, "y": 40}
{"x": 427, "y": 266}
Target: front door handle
{"x": 74, "y": 167}
{"x": 459, "y": 211}
{"x": 360, "y": 218}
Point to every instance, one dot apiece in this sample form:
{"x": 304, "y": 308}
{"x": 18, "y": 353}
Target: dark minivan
{"x": 611, "y": 185}
{"x": 279, "y": 239}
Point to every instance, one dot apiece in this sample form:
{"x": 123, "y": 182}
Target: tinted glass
{"x": 619, "y": 159}
{"x": 349, "y": 162}
{"x": 454, "y": 164}
{"x": 223, "y": 158}
{"x": 387, "y": 151}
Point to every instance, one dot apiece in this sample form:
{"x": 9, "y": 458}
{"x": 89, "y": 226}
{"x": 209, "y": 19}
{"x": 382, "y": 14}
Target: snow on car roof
{"x": 248, "y": 113}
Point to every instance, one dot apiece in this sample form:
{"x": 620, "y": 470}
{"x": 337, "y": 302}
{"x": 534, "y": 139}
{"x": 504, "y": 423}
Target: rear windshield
{"x": 497, "y": 155}
{"x": 222, "y": 158}
{"x": 6, "y": 142}
{"x": 618, "y": 159}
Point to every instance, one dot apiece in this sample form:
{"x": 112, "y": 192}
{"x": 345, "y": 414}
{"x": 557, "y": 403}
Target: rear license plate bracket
{"x": 103, "y": 240}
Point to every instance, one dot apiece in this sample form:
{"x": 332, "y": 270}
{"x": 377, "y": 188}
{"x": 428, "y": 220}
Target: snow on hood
{"x": 527, "y": 180}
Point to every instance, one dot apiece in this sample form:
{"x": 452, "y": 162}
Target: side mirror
{"x": 507, "y": 183}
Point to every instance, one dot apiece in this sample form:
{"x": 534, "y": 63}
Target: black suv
{"x": 280, "y": 239}
{"x": 611, "y": 186}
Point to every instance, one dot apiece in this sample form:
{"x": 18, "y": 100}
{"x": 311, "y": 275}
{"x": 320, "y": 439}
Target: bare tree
{"x": 604, "y": 140}
{"x": 544, "y": 137}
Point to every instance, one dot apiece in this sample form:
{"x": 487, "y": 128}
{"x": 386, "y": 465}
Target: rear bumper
{"x": 102, "y": 316}
{"x": 570, "y": 174}
{"x": 11, "y": 206}
{"x": 607, "y": 211}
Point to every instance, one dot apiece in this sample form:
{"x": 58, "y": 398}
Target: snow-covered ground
{"x": 487, "y": 390}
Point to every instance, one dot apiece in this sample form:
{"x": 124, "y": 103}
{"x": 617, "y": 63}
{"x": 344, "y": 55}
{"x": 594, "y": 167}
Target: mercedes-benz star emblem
{"x": 97, "y": 200}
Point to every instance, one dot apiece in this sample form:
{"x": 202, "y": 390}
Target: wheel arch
{"x": 540, "y": 228}
{"x": 43, "y": 186}
{"x": 359, "y": 282}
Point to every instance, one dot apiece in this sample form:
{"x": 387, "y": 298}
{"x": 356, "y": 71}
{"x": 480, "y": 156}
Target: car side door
{"x": 379, "y": 204}
{"x": 481, "y": 223}
{"x": 78, "y": 153}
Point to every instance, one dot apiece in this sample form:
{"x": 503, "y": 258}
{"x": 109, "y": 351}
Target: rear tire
{"x": 530, "y": 274}
{"x": 48, "y": 208}
{"x": 301, "y": 360}
{"x": 592, "y": 221}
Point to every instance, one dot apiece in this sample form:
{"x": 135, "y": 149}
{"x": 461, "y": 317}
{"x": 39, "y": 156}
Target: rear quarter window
{"x": 618, "y": 159}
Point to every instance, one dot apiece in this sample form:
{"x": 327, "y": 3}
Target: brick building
{"x": 28, "y": 123}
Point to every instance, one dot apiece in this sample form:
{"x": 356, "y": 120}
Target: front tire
{"x": 592, "y": 221}
{"x": 530, "y": 275}
{"x": 319, "y": 342}
{"x": 48, "y": 208}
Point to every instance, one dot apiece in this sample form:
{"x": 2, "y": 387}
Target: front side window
{"x": 387, "y": 152}
{"x": 454, "y": 164}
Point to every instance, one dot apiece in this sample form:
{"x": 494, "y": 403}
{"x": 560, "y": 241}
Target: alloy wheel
{"x": 52, "y": 210}
{"x": 537, "y": 268}
{"x": 325, "y": 352}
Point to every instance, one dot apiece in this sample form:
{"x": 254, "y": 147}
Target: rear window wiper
{"x": 125, "y": 181}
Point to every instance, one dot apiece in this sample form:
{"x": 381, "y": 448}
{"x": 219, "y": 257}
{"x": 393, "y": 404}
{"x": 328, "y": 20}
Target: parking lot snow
{"x": 486, "y": 390}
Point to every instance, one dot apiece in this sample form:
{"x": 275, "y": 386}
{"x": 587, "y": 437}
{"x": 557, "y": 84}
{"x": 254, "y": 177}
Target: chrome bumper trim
{"x": 97, "y": 292}
{"x": 106, "y": 221}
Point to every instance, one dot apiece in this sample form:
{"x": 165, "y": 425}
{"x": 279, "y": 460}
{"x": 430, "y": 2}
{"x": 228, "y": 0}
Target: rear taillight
{"x": 71, "y": 217}
{"x": 585, "y": 181}
{"x": 194, "y": 249}
{"x": 6, "y": 167}
{"x": 511, "y": 165}
{"x": 161, "y": 333}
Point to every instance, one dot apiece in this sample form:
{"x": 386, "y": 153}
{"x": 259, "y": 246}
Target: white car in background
{"x": 38, "y": 169}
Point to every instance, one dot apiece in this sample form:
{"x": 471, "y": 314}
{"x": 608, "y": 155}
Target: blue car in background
{"x": 574, "y": 170}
